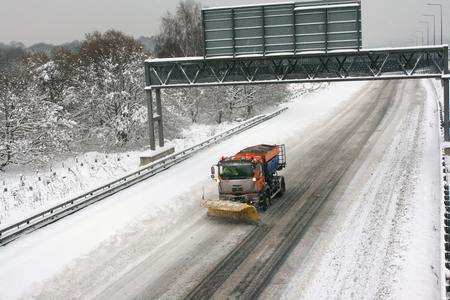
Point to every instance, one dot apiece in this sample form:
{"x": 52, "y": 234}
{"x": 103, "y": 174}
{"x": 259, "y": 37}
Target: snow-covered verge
{"x": 92, "y": 246}
{"x": 381, "y": 238}
{"x": 436, "y": 90}
{"x": 25, "y": 192}
{"x": 424, "y": 252}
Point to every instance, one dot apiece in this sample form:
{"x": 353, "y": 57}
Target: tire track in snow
{"x": 406, "y": 165}
{"x": 258, "y": 274}
{"x": 381, "y": 214}
{"x": 366, "y": 257}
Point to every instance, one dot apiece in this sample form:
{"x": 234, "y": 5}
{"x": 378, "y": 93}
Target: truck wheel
{"x": 264, "y": 201}
{"x": 282, "y": 187}
{"x": 263, "y": 204}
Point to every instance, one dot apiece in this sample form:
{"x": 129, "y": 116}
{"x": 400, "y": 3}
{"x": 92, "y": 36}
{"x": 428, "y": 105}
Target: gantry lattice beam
{"x": 373, "y": 64}
{"x": 370, "y": 64}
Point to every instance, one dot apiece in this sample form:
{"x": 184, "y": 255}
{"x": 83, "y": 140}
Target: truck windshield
{"x": 229, "y": 172}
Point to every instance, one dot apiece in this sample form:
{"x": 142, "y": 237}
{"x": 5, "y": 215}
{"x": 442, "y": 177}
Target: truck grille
{"x": 237, "y": 189}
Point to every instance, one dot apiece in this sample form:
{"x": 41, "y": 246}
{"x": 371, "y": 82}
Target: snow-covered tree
{"x": 111, "y": 80}
{"x": 94, "y": 99}
{"x": 181, "y": 33}
{"x": 32, "y": 128}
{"x": 9, "y": 114}
{"x": 55, "y": 74}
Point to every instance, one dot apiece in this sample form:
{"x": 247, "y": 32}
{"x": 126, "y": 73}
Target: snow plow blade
{"x": 232, "y": 211}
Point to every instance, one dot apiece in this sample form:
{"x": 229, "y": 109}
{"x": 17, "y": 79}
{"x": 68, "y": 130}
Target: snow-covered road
{"x": 368, "y": 239}
{"x": 377, "y": 236}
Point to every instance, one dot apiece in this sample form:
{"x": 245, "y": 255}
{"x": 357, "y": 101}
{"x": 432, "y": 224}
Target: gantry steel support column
{"x": 152, "y": 118}
{"x": 159, "y": 117}
{"x": 151, "y": 125}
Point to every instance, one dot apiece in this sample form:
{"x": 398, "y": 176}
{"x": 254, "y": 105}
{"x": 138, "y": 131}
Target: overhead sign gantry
{"x": 315, "y": 41}
{"x": 311, "y": 66}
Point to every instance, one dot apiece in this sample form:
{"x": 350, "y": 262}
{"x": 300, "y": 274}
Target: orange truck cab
{"x": 251, "y": 175}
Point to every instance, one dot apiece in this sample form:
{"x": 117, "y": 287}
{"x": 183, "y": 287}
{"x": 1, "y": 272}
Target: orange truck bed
{"x": 261, "y": 152}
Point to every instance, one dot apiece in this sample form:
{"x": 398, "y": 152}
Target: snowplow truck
{"x": 248, "y": 182}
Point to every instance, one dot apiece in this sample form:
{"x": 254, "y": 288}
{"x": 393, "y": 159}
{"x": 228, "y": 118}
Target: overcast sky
{"x": 385, "y": 22}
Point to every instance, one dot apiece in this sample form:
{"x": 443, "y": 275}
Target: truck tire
{"x": 282, "y": 187}
{"x": 264, "y": 201}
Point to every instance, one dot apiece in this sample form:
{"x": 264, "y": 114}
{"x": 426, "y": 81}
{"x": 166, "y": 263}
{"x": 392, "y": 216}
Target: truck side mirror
{"x": 213, "y": 172}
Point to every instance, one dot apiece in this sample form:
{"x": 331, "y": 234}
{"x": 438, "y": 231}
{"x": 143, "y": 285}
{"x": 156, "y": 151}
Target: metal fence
{"x": 282, "y": 28}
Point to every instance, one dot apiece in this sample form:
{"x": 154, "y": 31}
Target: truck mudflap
{"x": 230, "y": 210}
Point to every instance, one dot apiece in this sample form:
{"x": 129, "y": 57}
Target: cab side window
{"x": 259, "y": 169}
